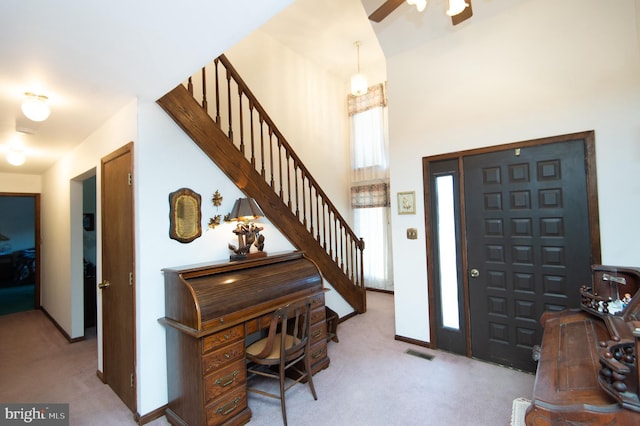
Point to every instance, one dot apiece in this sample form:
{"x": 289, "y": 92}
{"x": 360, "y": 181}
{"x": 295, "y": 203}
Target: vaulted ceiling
{"x": 93, "y": 57}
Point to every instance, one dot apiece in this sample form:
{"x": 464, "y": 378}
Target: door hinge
{"x": 132, "y": 380}
{"x": 129, "y": 179}
{"x": 130, "y": 278}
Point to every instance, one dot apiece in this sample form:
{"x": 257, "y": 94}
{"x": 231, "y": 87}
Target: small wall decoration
{"x": 185, "y": 216}
{"x": 216, "y": 200}
{"x": 407, "y": 202}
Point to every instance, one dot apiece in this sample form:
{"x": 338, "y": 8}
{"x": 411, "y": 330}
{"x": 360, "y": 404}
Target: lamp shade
{"x": 35, "y": 107}
{"x": 245, "y": 209}
{"x": 358, "y": 85}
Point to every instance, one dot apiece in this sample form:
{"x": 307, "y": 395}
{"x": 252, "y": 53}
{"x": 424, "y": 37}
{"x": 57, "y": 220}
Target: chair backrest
{"x": 291, "y": 323}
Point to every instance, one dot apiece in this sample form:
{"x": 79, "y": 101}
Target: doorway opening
{"x": 19, "y": 254}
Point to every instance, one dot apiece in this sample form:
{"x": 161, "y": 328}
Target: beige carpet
{"x": 371, "y": 380}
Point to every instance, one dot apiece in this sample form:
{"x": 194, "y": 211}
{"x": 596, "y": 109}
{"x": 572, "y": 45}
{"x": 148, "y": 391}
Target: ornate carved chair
{"x": 287, "y": 344}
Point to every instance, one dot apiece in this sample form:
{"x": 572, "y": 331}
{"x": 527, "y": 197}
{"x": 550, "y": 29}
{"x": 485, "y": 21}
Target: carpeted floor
{"x": 371, "y": 380}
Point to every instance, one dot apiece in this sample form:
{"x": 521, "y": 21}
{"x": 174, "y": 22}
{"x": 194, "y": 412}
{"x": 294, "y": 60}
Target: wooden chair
{"x": 287, "y": 343}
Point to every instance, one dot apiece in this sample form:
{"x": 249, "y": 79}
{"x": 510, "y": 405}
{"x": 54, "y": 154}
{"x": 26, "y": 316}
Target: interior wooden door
{"x": 528, "y": 244}
{"x": 117, "y": 286}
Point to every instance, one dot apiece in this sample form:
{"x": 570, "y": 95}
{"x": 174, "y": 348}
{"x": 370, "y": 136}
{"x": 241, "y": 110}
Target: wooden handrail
{"x": 268, "y": 152}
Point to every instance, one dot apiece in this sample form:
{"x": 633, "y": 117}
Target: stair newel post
{"x": 190, "y": 86}
{"x": 205, "y": 105}
{"x": 217, "y": 85}
{"x": 361, "y": 263}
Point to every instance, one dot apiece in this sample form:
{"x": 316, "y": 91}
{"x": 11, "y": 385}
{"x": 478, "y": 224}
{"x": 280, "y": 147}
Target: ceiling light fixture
{"x": 419, "y": 4}
{"x": 456, "y": 7}
{"x": 35, "y": 107}
{"x": 16, "y": 157}
{"x": 358, "y": 81}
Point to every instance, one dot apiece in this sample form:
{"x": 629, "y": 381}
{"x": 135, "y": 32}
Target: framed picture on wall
{"x": 407, "y": 202}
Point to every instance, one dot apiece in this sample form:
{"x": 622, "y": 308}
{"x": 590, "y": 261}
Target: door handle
{"x": 474, "y": 273}
{"x": 104, "y": 284}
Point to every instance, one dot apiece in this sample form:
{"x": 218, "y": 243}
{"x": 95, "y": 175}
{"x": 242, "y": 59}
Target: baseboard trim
{"x": 150, "y": 416}
{"x": 413, "y": 341}
{"x": 379, "y": 290}
{"x": 60, "y": 329}
{"x": 100, "y": 376}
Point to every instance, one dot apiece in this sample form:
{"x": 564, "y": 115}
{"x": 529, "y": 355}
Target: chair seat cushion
{"x": 257, "y": 347}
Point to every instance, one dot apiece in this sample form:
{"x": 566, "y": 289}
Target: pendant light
{"x": 419, "y": 4}
{"x": 456, "y": 7}
{"x": 35, "y": 107}
{"x": 358, "y": 81}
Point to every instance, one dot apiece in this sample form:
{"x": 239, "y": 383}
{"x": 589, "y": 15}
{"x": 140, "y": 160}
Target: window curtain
{"x": 370, "y": 199}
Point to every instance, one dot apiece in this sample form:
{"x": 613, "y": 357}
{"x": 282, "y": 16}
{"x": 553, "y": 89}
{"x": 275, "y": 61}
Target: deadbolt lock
{"x": 475, "y": 273}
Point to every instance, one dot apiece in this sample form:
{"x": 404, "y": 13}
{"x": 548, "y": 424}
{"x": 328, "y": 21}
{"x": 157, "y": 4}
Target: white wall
{"x": 540, "y": 69}
{"x": 20, "y": 183}
{"x": 308, "y": 105}
{"x": 61, "y": 218}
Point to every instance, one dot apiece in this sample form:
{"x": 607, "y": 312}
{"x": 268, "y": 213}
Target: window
{"x": 370, "y": 184}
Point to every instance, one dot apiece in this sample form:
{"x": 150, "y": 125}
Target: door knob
{"x": 475, "y": 273}
{"x": 104, "y": 284}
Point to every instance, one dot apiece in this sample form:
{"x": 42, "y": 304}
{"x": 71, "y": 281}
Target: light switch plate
{"x": 412, "y": 233}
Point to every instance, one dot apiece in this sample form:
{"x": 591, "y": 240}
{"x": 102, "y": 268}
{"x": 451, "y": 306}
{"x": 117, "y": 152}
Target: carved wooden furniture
{"x": 287, "y": 343}
{"x": 588, "y": 367}
{"x": 209, "y": 310}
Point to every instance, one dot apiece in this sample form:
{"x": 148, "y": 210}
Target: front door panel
{"x": 527, "y": 227}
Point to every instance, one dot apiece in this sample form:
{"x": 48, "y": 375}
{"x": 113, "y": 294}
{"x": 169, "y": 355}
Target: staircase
{"x": 238, "y": 135}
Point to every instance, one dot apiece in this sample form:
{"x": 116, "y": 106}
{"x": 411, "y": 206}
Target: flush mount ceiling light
{"x": 358, "y": 81}
{"x": 35, "y": 107}
{"x": 16, "y": 156}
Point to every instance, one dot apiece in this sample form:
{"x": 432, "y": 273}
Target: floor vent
{"x": 419, "y": 354}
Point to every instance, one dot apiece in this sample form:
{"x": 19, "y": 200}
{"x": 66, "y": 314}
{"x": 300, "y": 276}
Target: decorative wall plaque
{"x": 185, "y": 216}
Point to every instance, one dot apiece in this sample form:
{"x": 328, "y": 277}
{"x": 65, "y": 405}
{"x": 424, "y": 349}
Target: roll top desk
{"x": 209, "y": 311}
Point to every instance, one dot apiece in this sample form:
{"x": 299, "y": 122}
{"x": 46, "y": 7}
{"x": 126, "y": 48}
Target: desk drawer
{"x": 224, "y": 380}
{"x": 318, "y": 332}
{"x": 218, "y": 358}
{"x": 318, "y": 314}
{"x": 226, "y": 408}
{"x": 222, "y": 338}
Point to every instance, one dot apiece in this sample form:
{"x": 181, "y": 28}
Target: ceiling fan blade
{"x": 464, "y": 15}
{"x": 383, "y": 11}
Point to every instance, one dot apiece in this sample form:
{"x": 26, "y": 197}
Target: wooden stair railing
{"x": 245, "y": 144}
